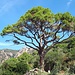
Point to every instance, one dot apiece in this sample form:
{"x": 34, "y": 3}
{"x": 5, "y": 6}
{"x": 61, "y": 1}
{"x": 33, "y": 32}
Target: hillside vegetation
{"x": 59, "y": 60}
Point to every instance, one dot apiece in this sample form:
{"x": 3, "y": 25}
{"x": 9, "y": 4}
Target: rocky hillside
{"x": 24, "y": 49}
{"x": 8, "y": 53}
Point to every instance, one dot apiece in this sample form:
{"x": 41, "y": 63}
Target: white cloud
{"x": 7, "y": 6}
{"x": 5, "y": 44}
{"x": 69, "y": 3}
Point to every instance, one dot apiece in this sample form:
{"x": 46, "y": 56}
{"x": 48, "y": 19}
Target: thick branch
{"x": 18, "y": 38}
{"x": 55, "y": 34}
{"x": 34, "y": 34}
{"x": 54, "y": 43}
{"x": 25, "y": 42}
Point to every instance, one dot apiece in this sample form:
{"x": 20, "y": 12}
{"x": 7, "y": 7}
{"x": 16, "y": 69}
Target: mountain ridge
{"x": 9, "y": 53}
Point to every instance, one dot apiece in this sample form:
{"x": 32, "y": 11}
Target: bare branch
{"x": 31, "y": 46}
{"x": 18, "y": 38}
{"x": 34, "y": 36}
{"x": 55, "y": 34}
{"x": 25, "y": 42}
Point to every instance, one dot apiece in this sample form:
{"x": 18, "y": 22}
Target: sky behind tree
{"x": 12, "y": 10}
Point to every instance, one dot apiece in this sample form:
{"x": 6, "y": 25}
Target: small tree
{"x": 40, "y": 29}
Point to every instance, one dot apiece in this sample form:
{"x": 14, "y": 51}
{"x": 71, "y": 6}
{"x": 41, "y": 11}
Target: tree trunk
{"x": 41, "y": 61}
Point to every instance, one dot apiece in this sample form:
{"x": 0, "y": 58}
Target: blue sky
{"x": 11, "y": 10}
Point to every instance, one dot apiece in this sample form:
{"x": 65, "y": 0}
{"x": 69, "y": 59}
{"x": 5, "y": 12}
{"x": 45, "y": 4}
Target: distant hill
{"x": 6, "y": 54}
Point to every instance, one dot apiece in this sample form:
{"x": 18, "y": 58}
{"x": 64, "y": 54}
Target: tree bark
{"x": 41, "y": 61}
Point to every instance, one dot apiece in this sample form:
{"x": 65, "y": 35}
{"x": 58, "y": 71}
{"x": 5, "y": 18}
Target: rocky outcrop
{"x": 6, "y": 54}
{"x": 24, "y": 49}
{"x": 36, "y": 71}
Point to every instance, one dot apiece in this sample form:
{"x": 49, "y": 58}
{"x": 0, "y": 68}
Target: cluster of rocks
{"x": 33, "y": 72}
{"x": 36, "y": 71}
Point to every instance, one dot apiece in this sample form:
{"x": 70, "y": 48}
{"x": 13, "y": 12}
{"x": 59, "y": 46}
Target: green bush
{"x": 17, "y": 66}
{"x": 22, "y": 67}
